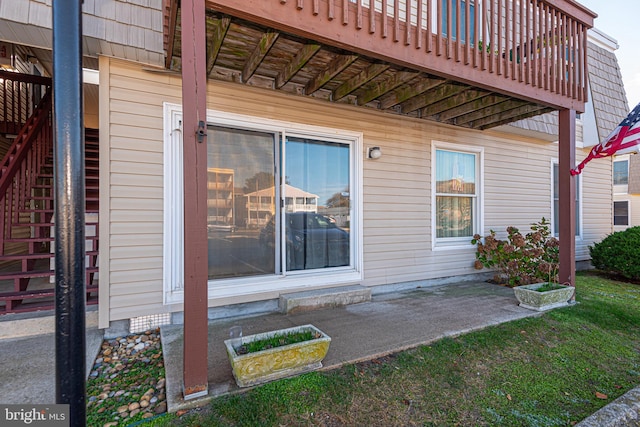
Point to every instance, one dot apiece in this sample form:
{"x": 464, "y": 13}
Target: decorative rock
{"x": 123, "y": 408}
{"x": 147, "y": 415}
{"x": 160, "y": 383}
{"x": 102, "y": 396}
{"x": 144, "y": 403}
{"x": 139, "y": 346}
{"x": 160, "y": 408}
{"x": 111, "y": 424}
{"x": 153, "y": 400}
{"x": 107, "y": 352}
{"x": 134, "y": 413}
{"x": 119, "y": 393}
{"x": 133, "y": 406}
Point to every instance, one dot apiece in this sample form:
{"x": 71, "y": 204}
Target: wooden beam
{"x": 385, "y": 86}
{"x": 194, "y": 112}
{"x": 302, "y": 57}
{"x": 529, "y": 113}
{"x": 470, "y": 107}
{"x": 451, "y": 102}
{"x": 409, "y": 91}
{"x": 567, "y": 196}
{"x": 505, "y": 116}
{"x": 171, "y": 16}
{"x": 216, "y": 31}
{"x": 336, "y": 66}
{"x": 257, "y": 56}
{"x": 489, "y": 111}
{"x": 441, "y": 92}
{"x": 357, "y": 81}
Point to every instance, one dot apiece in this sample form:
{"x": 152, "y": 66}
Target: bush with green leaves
{"x": 618, "y": 254}
{"x": 521, "y": 259}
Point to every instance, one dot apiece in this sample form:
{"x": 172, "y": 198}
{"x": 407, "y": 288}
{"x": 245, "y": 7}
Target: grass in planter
{"x": 548, "y": 286}
{"x": 551, "y": 370}
{"x": 277, "y": 340}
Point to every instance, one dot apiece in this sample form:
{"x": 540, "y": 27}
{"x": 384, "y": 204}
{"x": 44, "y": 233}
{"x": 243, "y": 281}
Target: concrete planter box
{"x": 530, "y": 298}
{"x": 278, "y": 362}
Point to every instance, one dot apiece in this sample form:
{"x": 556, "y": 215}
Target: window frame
{"x": 620, "y": 188}
{"x": 456, "y": 243}
{"x": 613, "y": 211}
{"x": 229, "y": 288}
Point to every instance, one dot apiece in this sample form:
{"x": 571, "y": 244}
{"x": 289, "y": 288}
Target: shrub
{"x": 618, "y": 253}
{"x": 520, "y": 260}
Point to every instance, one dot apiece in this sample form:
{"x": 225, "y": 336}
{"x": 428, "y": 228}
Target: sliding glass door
{"x": 277, "y": 203}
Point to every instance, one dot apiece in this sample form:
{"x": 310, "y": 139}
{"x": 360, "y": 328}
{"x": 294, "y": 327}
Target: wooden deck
{"x": 521, "y": 59}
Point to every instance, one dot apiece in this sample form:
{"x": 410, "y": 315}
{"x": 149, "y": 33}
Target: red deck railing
{"x": 535, "y": 49}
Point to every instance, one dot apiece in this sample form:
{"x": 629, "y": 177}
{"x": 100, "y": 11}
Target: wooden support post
{"x": 194, "y": 118}
{"x": 567, "y": 196}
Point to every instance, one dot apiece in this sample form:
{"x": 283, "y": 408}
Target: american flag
{"x": 623, "y": 140}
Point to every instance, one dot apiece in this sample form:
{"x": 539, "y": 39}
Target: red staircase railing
{"x": 20, "y": 166}
{"x": 19, "y": 95}
{"x": 26, "y": 211}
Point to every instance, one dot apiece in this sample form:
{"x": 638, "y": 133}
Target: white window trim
{"x": 457, "y": 243}
{"x": 173, "y": 240}
{"x": 578, "y": 237}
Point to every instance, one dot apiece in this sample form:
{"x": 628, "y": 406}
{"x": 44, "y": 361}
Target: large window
{"x": 621, "y": 213}
{"x": 283, "y": 201}
{"x": 621, "y": 172}
{"x": 458, "y": 21}
{"x": 457, "y": 194}
{"x": 556, "y": 203}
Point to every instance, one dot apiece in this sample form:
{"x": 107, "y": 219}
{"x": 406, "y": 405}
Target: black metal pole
{"x": 69, "y": 208}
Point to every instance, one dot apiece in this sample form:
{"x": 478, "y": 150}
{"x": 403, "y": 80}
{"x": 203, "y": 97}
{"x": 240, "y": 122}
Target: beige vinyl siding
{"x": 135, "y": 169}
{"x": 397, "y": 235}
{"x": 597, "y": 205}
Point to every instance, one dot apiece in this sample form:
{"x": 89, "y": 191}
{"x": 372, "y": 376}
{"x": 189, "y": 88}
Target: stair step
{"x": 50, "y": 176}
{"x": 39, "y": 293}
{"x": 87, "y": 199}
{"x": 43, "y": 224}
{"x": 323, "y": 298}
{"x": 87, "y": 210}
{"x": 42, "y": 255}
{"x": 40, "y": 239}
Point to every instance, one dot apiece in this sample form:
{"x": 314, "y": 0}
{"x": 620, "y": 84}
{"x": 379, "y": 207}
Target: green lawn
{"x": 552, "y": 370}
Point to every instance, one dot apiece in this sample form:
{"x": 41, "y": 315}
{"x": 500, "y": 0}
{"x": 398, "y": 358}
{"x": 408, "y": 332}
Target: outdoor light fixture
{"x": 374, "y": 153}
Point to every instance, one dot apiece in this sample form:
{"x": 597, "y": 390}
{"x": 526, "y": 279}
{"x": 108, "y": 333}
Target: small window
{"x": 621, "y": 213}
{"x": 456, "y": 194}
{"x": 621, "y": 172}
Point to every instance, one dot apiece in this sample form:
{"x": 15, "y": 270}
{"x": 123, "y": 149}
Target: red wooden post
{"x": 194, "y": 117}
{"x": 567, "y": 196}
